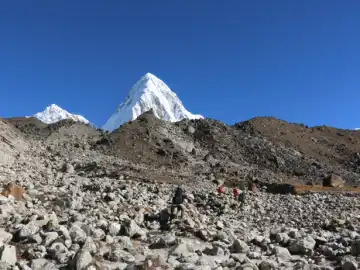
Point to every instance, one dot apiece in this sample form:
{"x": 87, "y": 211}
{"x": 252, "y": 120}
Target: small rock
{"x": 82, "y": 260}
{"x": 320, "y": 241}
{"x": 188, "y": 221}
{"x": 23, "y": 265}
{"x": 349, "y": 263}
{"x": 191, "y": 129}
{"x": 254, "y": 255}
{"x": 125, "y": 242}
{"x": 53, "y": 221}
{"x": 139, "y": 218}
{"x": 68, "y": 168}
{"x": 29, "y": 204}
{"x": 214, "y": 251}
{"x": 169, "y": 239}
{"x": 89, "y": 245}
{"x": 249, "y": 266}
{"x": 239, "y": 257}
{"x": 35, "y": 239}
{"x": 333, "y": 180}
{"x": 8, "y": 254}
{"x": 50, "y": 237}
{"x": 77, "y": 234}
{"x": 219, "y": 225}
{"x": 98, "y": 234}
{"x": 28, "y": 230}
{"x": 119, "y": 255}
{"x": 268, "y": 265}
{"x": 133, "y": 230}
{"x": 186, "y": 266}
{"x": 339, "y": 222}
{"x": 154, "y": 262}
{"x": 222, "y": 236}
{"x": 160, "y": 243}
{"x": 327, "y": 251}
{"x": 114, "y": 229}
{"x": 64, "y": 258}
{"x": 282, "y": 253}
{"x": 355, "y": 247}
{"x": 42, "y": 264}
{"x": 109, "y": 239}
{"x": 294, "y": 234}
{"x": 5, "y": 237}
{"x": 282, "y": 238}
{"x": 202, "y": 234}
{"x": 182, "y": 250}
{"x": 303, "y": 246}
{"x": 56, "y": 248}
{"x": 239, "y": 246}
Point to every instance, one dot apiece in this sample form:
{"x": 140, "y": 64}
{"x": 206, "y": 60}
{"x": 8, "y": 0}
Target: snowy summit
{"x": 149, "y": 93}
{"x": 54, "y": 113}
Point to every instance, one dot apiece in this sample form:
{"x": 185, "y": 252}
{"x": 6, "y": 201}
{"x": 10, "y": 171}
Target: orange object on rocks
{"x": 13, "y": 190}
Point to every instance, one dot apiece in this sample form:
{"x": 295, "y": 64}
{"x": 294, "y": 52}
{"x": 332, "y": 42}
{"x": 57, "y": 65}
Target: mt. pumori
{"x": 54, "y": 113}
{"x": 149, "y": 93}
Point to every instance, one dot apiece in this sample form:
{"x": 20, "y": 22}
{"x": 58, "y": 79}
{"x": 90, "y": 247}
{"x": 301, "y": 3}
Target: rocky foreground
{"x": 80, "y": 223}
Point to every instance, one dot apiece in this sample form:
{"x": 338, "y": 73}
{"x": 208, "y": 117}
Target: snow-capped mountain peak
{"x": 149, "y": 93}
{"x": 54, "y": 113}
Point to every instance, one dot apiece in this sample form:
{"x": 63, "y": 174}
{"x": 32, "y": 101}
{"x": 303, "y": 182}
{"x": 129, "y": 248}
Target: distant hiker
{"x": 156, "y": 190}
{"x": 164, "y": 218}
{"x": 236, "y": 193}
{"x": 242, "y": 198}
{"x": 220, "y": 189}
{"x": 177, "y": 202}
{"x": 254, "y": 188}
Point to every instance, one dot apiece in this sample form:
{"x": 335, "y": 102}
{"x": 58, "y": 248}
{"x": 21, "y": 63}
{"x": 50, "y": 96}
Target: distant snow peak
{"x": 54, "y": 113}
{"x": 149, "y": 93}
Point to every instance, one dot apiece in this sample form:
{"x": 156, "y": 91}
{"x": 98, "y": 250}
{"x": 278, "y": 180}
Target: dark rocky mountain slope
{"x": 263, "y": 148}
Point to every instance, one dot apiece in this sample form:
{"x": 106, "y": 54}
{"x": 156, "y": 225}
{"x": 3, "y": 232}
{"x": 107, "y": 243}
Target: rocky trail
{"x": 80, "y": 197}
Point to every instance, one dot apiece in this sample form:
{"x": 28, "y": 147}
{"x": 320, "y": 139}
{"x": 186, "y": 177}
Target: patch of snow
{"x": 54, "y": 113}
{"x": 149, "y": 93}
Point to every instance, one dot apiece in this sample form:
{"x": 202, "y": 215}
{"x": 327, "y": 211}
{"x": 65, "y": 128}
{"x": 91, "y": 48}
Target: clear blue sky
{"x": 230, "y": 60}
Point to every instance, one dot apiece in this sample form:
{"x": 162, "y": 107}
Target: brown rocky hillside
{"x": 264, "y": 148}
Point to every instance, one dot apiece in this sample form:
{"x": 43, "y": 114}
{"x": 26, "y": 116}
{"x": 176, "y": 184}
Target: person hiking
{"x": 254, "y": 188}
{"x": 163, "y": 218}
{"x": 242, "y": 198}
{"x": 236, "y": 194}
{"x": 177, "y": 202}
{"x": 220, "y": 189}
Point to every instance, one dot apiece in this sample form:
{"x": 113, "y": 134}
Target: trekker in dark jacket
{"x": 163, "y": 217}
{"x": 177, "y": 202}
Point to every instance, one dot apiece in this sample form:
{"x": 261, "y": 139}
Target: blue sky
{"x": 229, "y": 60}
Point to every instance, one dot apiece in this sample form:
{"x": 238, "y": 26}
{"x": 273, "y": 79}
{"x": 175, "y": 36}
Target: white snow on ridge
{"x": 149, "y": 93}
{"x": 54, "y": 113}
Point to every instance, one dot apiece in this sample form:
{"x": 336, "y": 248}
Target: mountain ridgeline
{"x": 264, "y": 149}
